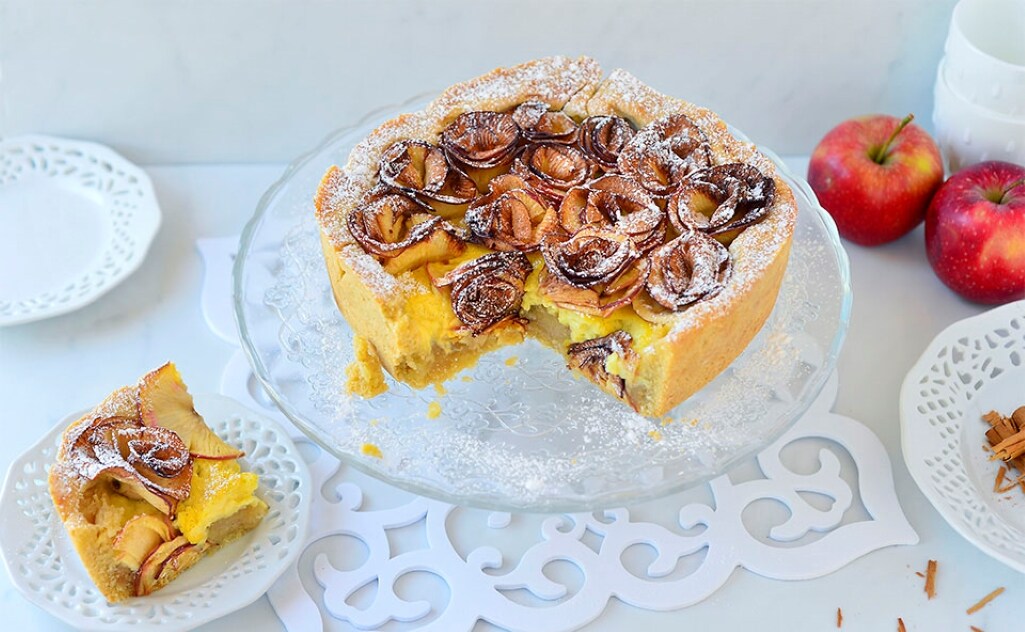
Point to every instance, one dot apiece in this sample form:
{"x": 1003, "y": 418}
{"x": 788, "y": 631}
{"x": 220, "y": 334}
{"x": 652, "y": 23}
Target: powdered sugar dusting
{"x": 554, "y": 80}
{"x": 574, "y": 84}
{"x": 758, "y": 246}
{"x": 529, "y": 435}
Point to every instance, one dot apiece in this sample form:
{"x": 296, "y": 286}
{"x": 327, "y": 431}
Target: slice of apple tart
{"x": 145, "y": 488}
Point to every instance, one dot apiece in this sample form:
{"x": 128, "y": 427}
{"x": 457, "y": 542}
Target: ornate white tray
{"x": 44, "y": 566}
{"x": 377, "y": 557}
{"x": 974, "y": 366}
{"x": 75, "y": 220}
{"x": 518, "y": 432}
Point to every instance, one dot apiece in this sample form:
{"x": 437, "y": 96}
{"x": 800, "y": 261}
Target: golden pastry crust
{"x": 703, "y": 339}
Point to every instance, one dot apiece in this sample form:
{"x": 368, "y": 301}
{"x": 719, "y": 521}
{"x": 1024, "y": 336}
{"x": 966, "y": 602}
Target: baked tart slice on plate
{"x": 628, "y": 230}
{"x": 146, "y": 489}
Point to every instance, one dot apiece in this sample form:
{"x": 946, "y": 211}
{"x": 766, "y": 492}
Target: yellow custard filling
{"x": 219, "y": 489}
{"x": 431, "y": 316}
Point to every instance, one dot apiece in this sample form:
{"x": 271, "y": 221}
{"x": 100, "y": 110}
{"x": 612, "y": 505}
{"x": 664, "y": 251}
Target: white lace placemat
{"x": 813, "y": 501}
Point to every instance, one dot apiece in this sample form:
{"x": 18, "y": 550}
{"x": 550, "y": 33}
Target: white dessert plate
{"x": 44, "y": 566}
{"x": 76, "y": 219}
{"x": 974, "y": 366}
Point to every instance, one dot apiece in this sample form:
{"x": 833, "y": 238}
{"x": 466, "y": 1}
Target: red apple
{"x": 975, "y": 232}
{"x": 875, "y": 176}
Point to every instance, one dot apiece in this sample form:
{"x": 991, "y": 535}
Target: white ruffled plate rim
{"x": 144, "y": 231}
{"x": 912, "y": 430}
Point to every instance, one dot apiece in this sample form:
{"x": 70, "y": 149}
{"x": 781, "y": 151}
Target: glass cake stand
{"x": 519, "y": 432}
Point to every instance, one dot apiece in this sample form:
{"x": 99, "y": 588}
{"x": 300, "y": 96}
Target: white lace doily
{"x": 43, "y": 564}
{"x": 77, "y": 220}
{"x": 379, "y": 557}
{"x": 972, "y": 367}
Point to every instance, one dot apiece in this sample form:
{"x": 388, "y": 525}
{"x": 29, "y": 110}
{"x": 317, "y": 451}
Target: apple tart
{"x": 145, "y": 488}
{"x": 625, "y": 229}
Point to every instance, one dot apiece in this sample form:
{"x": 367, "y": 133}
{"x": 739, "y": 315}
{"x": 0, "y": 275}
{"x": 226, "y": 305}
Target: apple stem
{"x": 1014, "y": 185}
{"x": 880, "y": 154}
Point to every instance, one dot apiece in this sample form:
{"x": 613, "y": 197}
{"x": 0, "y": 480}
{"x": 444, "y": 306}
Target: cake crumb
{"x": 369, "y": 449}
{"x": 433, "y": 410}
{"x": 655, "y": 435}
{"x": 374, "y": 422}
{"x": 930, "y": 579}
{"x": 900, "y": 625}
{"x": 985, "y": 600}
{"x": 512, "y": 360}
{"x": 975, "y": 629}
{"x": 440, "y": 389}
{"x": 839, "y": 618}
{"x": 466, "y": 378}
{"x": 667, "y": 420}
{"x": 364, "y": 374}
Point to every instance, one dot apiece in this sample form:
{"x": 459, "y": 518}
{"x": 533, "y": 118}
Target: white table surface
{"x": 68, "y": 363}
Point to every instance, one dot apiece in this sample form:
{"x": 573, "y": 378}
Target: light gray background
{"x": 264, "y": 80}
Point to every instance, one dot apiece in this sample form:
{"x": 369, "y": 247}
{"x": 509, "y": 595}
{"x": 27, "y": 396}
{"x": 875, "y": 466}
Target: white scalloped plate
{"x": 76, "y": 219}
{"x": 973, "y": 366}
{"x": 43, "y": 564}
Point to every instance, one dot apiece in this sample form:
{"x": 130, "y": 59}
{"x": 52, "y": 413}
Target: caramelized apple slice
{"x": 591, "y": 256}
{"x": 181, "y": 558}
{"x": 598, "y": 300}
{"x": 441, "y": 245}
{"x": 538, "y": 124}
{"x": 722, "y": 200}
{"x": 617, "y": 202}
{"x": 664, "y": 153}
{"x": 165, "y": 401}
{"x": 589, "y": 357}
{"x": 602, "y": 138}
{"x": 148, "y": 573}
{"x": 140, "y": 536}
{"x": 650, "y": 310}
{"x": 481, "y": 140}
{"x": 149, "y": 464}
{"x": 128, "y": 483}
{"x": 512, "y": 216}
{"x": 421, "y": 169}
{"x": 690, "y": 268}
{"x": 488, "y": 290}
{"x": 553, "y": 169}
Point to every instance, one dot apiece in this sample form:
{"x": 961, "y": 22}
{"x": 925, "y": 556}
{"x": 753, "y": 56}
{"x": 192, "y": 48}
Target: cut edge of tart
{"x": 146, "y": 489}
{"x": 671, "y": 307}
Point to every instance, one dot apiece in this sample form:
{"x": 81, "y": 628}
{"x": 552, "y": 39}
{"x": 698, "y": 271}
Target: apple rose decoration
{"x": 616, "y": 202}
{"x": 589, "y": 358}
{"x": 603, "y": 138}
{"x": 722, "y": 199}
{"x": 553, "y": 169}
{"x": 151, "y": 463}
{"x": 481, "y": 139}
{"x": 664, "y": 153}
{"x": 421, "y": 169}
{"x": 401, "y": 232}
{"x": 688, "y": 269}
{"x": 538, "y": 124}
{"x": 596, "y": 271}
{"x": 512, "y": 216}
{"x": 487, "y": 290}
